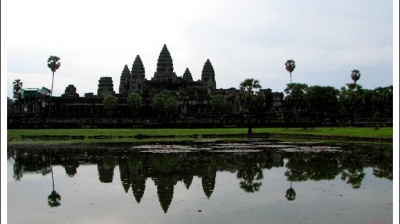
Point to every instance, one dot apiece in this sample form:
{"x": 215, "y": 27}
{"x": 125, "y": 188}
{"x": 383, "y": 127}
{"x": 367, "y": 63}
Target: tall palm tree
{"x": 290, "y": 66}
{"x": 355, "y": 75}
{"x": 53, "y": 63}
{"x": 17, "y": 92}
{"x": 17, "y": 87}
{"x": 246, "y": 97}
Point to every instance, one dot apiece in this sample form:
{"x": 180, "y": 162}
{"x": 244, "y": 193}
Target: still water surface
{"x": 249, "y": 182}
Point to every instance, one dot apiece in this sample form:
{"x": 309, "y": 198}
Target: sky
{"x": 242, "y": 39}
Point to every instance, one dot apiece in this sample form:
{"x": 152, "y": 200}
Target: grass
{"x": 128, "y": 135}
{"x": 368, "y": 132}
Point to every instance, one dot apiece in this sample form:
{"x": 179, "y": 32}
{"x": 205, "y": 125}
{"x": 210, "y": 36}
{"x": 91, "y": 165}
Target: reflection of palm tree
{"x": 297, "y": 168}
{"x": 352, "y": 169}
{"x": 251, "y": 175}
{"x": 290, "y": 193}
{"x": 323, "y": 167}
{"x": 54, "y": 198}
{"x": 249, "y": 186}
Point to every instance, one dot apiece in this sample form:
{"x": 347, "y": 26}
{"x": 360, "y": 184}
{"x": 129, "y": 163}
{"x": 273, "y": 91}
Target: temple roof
{"x": 187, "y": 76}
{"x": 208, "y": 70}
{"x": 208, "y": 75}
{"x": 124, "y": 80}
{"x": 138, "y": 68}
{"x": 164, "y": 63}
{"x": 125, "y": 74}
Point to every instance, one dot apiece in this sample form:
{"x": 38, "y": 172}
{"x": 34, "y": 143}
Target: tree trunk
{"x": 51, "y": 94}
{"x": 250, "y": 130}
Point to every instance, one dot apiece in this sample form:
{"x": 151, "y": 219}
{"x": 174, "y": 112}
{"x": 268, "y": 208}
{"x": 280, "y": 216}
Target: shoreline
{"x": 191, "y": 138}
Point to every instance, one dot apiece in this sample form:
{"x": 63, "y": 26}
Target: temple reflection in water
{"x": 249, "y": 162}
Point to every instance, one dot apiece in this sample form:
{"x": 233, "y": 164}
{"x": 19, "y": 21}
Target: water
{"x": 249, "y": 182}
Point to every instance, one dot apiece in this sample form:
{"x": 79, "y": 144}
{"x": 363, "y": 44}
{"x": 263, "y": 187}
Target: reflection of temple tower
{"x": 137, "y": 175}
{"x": 208, "y": 75}
{"x": 187, "y": 180}
{"x": 165, "y": 190}
{"x": 138, "y": 186}
{"x": 124, "y": 174}
{"x": 208, "y": 181}
{"x": 165, "y": 67}
{"x": 106, "y": 172}
{"x": 70, "y": 167}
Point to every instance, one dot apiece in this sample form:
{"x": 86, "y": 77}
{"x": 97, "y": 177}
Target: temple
{"x": 193, "y": 97}
{"x": 164, "y": 78}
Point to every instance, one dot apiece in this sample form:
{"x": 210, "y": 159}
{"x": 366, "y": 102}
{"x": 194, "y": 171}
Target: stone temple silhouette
{"x": 193, "y": 99}
{"x": 164, "y": 78}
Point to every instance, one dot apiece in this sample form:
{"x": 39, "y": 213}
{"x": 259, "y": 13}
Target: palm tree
{"x": 17, "y": 87}
{"x": 54, "y": 198}
{"x": 355, "y": 75}
{"x": 246, "y": 98}
{"x": 351, "y": 98}
{"x": 17, "y": 92}
{"x": 53, "y": 63}
{"x": 290, "y": 66}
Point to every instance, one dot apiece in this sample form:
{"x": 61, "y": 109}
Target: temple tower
{"x": 165, "y": 67}
{"x": 208, "y": 75}
{"x": 105, "y": 87}
{"x": 125, "y": 81}
{"x": 70, "y": 91}
{"x": 137, "y": 76}
{"x": 187, "y": 76}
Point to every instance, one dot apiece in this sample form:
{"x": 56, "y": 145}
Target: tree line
{"x": 321, "y": 103}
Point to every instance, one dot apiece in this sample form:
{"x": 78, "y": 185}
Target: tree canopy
{"x": 53, "y": 63}
{"x": 290, "y": 66}
{"x": 134, "y": 101}
{"x": 247, "y": 98}
{"x": 110, "y": 103}
{"x": 219, "y": 104}
{"x": 247, "y": 95}
{"x": 165, "y": 103}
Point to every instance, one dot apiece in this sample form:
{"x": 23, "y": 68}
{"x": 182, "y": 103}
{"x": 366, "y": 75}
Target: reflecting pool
{"x": 204, "y": 182}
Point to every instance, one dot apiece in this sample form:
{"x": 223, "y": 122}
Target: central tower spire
{"x": 165, "y": 67}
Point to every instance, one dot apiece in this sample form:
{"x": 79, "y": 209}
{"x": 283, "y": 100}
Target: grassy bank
{"x": 134, "y": 135}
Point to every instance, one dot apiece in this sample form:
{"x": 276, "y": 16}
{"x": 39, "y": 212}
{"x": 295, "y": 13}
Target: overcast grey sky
{"x": 242, "y": 39}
